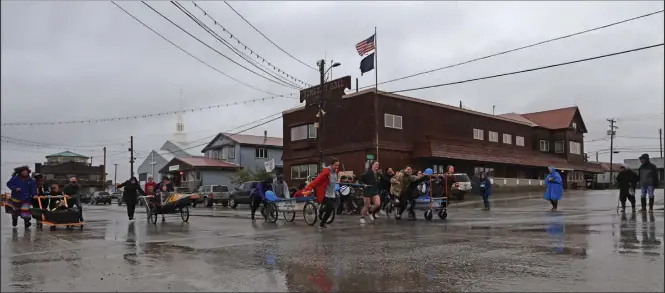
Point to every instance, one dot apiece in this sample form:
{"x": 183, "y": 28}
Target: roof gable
{"x": 246, "y": 139}
{"x": 553, "y": 119}
{"x": 67, "y": 154}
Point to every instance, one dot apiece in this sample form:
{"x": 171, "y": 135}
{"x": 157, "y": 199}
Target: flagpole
{"x": 376, "y": 92}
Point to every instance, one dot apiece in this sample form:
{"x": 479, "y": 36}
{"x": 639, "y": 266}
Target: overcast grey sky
{"x": 88, "y": 60}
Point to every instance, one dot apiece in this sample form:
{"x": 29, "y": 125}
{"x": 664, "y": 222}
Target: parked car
{"x": 241, "y": 194}
{"x": 213, "y": 194}
{"x": 121, "y": 201}
{"x": 462, "y": 185}
{"x": 102, "y": 197}
{"x": 85, "y": 197}
{"x": 116, "y": 195}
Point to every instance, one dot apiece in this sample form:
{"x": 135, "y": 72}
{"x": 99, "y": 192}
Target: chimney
{"x": 265, "y": 135}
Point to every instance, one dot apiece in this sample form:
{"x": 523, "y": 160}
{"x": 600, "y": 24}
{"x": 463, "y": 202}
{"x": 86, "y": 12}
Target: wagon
{"x": 54, "y": 211}
{"x": 288, "y": 207}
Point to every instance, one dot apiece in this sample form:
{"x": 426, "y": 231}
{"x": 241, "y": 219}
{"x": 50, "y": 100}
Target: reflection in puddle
{"x": 556, "y": 230}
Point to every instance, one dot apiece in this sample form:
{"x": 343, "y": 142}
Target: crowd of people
{"x": 380, "y": 188}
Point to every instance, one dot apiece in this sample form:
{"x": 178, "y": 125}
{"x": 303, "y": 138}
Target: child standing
{"x": 485, "y": 190}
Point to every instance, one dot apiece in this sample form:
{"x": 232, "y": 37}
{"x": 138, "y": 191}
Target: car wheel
{"x": 232, "y": 203}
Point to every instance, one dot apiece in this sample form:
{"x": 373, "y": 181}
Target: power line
{"x": 532, "y": 69}
{"x": 520, "y": 48}
{"x": 210, "y": 47}
{"x": 269, "y": 40}
{"x": 252, "y": 52}
{"x": 141, "y": 116}
{"x": 63, "y": 145}
{"x": 228, "y": 45}
{"x": 190, "y": 54}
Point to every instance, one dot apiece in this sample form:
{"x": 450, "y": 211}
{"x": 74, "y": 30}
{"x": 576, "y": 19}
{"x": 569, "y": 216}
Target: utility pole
{"x": 597, "y": 157}
{"x": 660, "y": 139}
{"x": 321, "y": 112}
{"x": 131, "y": 156}
{"x": 115, "y": 175}
{"x": 612, "y": 133}
{"x": 104, "y": 174}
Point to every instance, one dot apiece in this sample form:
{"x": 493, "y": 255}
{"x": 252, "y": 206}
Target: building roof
{"x": 255, "y": 139}
{"x": 606, "y": 166}
{"x": 193, "y": 147}
{"x": 553, "y": 119}
{"x": 463, "y": 150}
{"x": 67, "y": 154}
{"x": 517, "y": 117}
{"x": 201, "y": 162}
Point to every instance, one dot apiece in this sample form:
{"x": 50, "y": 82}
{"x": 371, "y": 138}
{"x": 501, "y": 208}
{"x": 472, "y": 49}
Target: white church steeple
{"x": 180, "y": 135}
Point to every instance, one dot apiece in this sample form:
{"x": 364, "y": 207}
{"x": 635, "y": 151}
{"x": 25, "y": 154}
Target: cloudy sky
{"x": 89, "y": 60}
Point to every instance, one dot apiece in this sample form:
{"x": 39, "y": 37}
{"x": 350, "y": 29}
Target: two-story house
{"x": 245, "y": 151}
{"x": 399, "y": 130}
{"x": 60, "y": 167}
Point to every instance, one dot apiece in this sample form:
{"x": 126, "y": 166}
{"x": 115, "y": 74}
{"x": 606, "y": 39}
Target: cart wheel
{"x": 289, "y": 216}
{"x": 443, "y": 214}
{"x": 331, "y": 219}
{"x": 309, "y": 213}
{"x": 428, "y": 214}
{"x": 152, "y": 218}
{"x": 271, "y": 212}
{"x": 184, "y": 214}
{"x": 40, "y": 225}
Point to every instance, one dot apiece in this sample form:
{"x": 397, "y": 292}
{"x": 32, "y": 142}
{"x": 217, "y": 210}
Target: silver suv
{"x": 213, "y": 194}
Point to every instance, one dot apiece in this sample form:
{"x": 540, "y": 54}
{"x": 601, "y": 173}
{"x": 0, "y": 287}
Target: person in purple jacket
{"x": 23, "y": 188}
{"x": 258, "y": 196}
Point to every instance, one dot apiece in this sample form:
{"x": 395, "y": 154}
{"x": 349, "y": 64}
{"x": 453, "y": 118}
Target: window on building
{"x": 392, "y": 121}
{"x": 493, "y": 136}
{"x": 439, "y": 169}
{"x": 507, "y": 138}
{"x": 519, "y": 140}
{"x": 215, "y": 154}
{"x": 261, "y": 153}
{"x": 575, "y": 148}
{"x": 230, "y": 152}
{"x": 303, "y": 171}
{"x": 478, "y": 134}
{"x": 574, "y": 125}
{"x": 304, "y": 131}
{"x": 488, "y": 171}
{"x": 544, "y": 146}
{"x": 559, "y": 147}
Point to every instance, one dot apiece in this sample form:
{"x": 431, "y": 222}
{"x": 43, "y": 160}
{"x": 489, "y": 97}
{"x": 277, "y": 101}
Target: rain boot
{"x": 556, "y": 205}
{"x": 651, "y": 199}
{"x": 623, "y": 206}
{"x": 487, "y": 206}
{"x": 643, "y": 201}
{"x": 14, "y": 221}
{"x": 27, "y": 223}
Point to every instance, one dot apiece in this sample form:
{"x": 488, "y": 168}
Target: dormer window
{"x": 574, "y": 125}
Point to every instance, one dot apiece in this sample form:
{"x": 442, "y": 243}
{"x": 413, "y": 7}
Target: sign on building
{"x": 174, "y": 168}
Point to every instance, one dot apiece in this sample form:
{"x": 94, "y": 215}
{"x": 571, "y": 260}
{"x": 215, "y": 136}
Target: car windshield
{"x": 461, "y": 178}
{"x": 220, "y": 188}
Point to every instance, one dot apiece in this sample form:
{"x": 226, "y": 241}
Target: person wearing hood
{"x": 280, "y": 188}
{"x": 553, "y": 187}
{"x": 150, "y": 187}
{"x": 130, "y": 195}
{"x": 258, "y": 196}
{"x": 23, "y": 188}
{"x": 485, "y": 185}
{"x": 648, "y": 175}
{"x": 627, "y": 182}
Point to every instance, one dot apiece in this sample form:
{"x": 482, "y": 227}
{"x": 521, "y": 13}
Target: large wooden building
{"x": 425, "y": 134}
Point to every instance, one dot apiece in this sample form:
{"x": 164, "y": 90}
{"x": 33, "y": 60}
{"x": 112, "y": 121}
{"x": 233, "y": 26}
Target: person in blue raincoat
{"x": 23, "y": 188}
{"x": 485, "y": 190}
{"x": 554, "y": 187}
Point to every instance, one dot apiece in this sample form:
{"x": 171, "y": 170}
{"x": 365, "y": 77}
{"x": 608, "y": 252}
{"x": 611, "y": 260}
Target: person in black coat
{"x": 384, "y": 187}
{"x": 627, "y": 182}
{"x": 130, "y": 195}
{"x": 73, "y": 189}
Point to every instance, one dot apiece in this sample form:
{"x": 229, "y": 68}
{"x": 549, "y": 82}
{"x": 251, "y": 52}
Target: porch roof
{"x": 198, "y": 163}
{"x": 469, "y": 151}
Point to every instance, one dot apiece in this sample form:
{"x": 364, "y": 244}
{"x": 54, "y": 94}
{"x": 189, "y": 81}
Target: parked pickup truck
{"x": 213, "y": 194}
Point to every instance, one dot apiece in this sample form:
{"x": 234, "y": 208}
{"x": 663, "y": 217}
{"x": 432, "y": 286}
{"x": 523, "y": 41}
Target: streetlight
{"x": 322, "y": 73}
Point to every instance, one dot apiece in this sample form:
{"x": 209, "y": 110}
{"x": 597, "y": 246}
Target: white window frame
{"x": 261, "y": 153}
{"x": 574, "y": 125}
{"x": 575, "y": 148}
{"x": 544, "y": 145}
{"x": 507, "y": 138}
{"x": 557, "y": 144}
{"x": 302, "y": 132}
{"x": 392, "y": 121}
{"x": 478, "y": 134}
{"x": 311, "y": 170}
{"x": 519, "y": 140}
{"x": 493, "y": 136}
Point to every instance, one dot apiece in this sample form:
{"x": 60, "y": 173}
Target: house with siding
{"x": 246, "y": 151}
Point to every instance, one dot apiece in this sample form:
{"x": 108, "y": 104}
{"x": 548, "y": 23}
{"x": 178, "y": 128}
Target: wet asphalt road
{"x": 518, "y": 246}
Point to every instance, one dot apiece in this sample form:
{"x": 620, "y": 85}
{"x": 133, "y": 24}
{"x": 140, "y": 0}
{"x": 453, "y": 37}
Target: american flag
{"x": 366, "y": 46}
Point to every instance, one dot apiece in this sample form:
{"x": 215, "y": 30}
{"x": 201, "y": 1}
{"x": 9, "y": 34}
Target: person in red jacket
{"x": 324, "y": 189}
{"x": 150, "y": 187}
